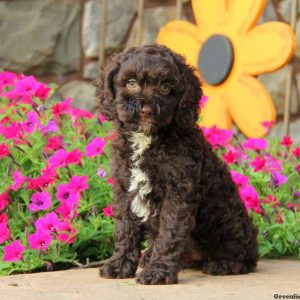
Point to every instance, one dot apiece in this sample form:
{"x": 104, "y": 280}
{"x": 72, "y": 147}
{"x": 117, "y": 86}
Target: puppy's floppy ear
{"x": 188, "y": 106}
{"x": 105, "y": 91}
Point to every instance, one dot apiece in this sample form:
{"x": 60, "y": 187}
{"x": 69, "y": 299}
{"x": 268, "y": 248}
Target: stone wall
{"x": 58, "y": 40}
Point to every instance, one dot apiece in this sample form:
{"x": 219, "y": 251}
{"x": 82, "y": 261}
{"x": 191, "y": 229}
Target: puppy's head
{"x": 147, "y": 88}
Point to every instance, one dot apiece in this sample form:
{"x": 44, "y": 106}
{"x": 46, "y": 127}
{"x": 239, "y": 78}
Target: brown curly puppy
{"x": 170, "y": 186}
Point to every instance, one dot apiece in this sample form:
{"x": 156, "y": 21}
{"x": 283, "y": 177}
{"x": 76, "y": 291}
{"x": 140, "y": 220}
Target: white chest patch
{"x": 139, "y": 180}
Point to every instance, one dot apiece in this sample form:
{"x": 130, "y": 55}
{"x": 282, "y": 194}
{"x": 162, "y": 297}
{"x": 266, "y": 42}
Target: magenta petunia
{"x": 217, "y": 137}
{"x": 13, "y": 252}
{"x": 19, "y": 180}
{"x": 67, "y": 210}
{"x": 95, "y": 147}
{"x": 278, "y": 179}
{"x": 258, "y": 164}
{"x": 297, "y": 168}
{"x": 102, "y": 118}
{"x": 48, "y": 223}
{"x": 4, "y": 232}
{"x": 230, "y": 157}
{"x": 250, "y": 198}
{"x": 202, "y": 101}
{"x": 58, "y": 159}
{"x": 272, "y": 164}
{"x": 13, "y": 131}
{"x": 296, "y": 152}
{"x": 239, "y": 179}
{"x": 62, "y": 108}
{"x": 66, "y": 233}
{"x": 4, "y": 200}
{"x": 42, "y": 182}
{"x": 42, "y": 92}
{"x": 4, "y": 150}
{"x": 74, "y": 157}
{"x": 108, "y": 211}
{"x": 111, "y": 181}
{"x": 255, "y": 144}
{"x": 7, "y": 79}
{"x": 49, "y": 127}
{"x": 32, "y": 123}
{"x": 40, "y": 201}
{"x": 286, "y": 141}
{"x": 3, "y": 218}
{"x": 79, "y": 183}
{"x": 77, "y": 113}
{"x": 66, "y": 192}
{"x": 54, "y": 143}
{"x": 39, "y": 240}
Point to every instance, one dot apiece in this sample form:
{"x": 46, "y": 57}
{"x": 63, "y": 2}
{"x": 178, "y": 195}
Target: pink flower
{"x": 286, "y": 141}
{"x": 79, "y": 183}
{"x": 13, "y": 131}
{"x": 55, "y": 143}
{"x": 63, "y": 107}
{"x": 290, "y": 205}
{"x": 278, "y": 219}
{"x": 108, "y": 211}
{"x": 4, "y": 200}
{"x": 67, "y": 210}
{"x": 32, "y": 123}
{"x": 39, "y": 240}
{"x": 255, "y": 144}
{"x": 296, "y": 152}
{"x": 7, "y": 79}
{"x": 250, "y": 198}
{"x": 66, "y": 233}
{"x": 217, "y": 137}
{"x": 101, "y": 173}
{"x": 65, "y": 192}
{"x": 202, "y": 101}
{"x": 95, "y": 147}
{"x": 239, "y": 179}
{"x": 40, "y": 201}
{"x": 27, "y": 85}
{"x": 42, "y": 91}
{"x": 58, "y": 159}
{"x": 42, "y": 182}
{"x": 268, "y": 125}
{"x": 13, "y": 252}
{"x": 278, "y": 179}
{"x": 3, "y": 218}
{"x": 4, "y": 232}
{"x": 101, "y": 118}
{"x": 111, "y": 181}
{"x": 258, "y": 164}
{"x": 74, "y": 157}
{"x": 230, "y": 157}
{"x": 4, "y": 151}
{"x": 19, "y": 179}
{"x": 77, "y": 113}
{"x": 272, "y": 163}
{"x": 297, "y": 168}
{"x": 50, "y": 127}
{"x": 271, "y": 200}
{"x": 48, "y": 223}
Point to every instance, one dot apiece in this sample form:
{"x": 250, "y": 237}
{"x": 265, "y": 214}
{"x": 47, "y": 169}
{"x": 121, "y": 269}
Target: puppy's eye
{"x": 164, "y": 89}
{"x": 132, "y": 84}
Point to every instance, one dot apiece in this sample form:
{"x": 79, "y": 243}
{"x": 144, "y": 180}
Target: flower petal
{"x": 266, "y": 48}
{"x": 215, "y": 110}
{"x": 243, "y": 15}
{"x": 249, "y": 105}
{"x": 209, "y": 13}
{"x": 183, "y": 38}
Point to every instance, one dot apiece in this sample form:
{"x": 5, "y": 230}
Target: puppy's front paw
{"x": 121, "y": 268}
{"x": 156, "y": 275}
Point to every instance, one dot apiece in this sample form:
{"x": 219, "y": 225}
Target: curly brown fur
{"x": 170, "y": 185}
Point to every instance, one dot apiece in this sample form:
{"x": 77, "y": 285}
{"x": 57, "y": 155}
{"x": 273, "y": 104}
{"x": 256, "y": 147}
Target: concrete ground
{"x": 281, "y": 277}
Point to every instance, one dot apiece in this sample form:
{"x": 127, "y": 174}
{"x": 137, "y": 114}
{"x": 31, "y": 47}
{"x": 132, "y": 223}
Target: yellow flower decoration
{"x": 227, "y": 29}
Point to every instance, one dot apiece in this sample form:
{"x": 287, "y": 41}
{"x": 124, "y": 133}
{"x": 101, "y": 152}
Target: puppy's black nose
{"x": 146, "y": 111}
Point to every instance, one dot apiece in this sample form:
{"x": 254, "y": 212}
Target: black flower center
{"x": 215, "y": 59}
{"x": 66, "y": 195}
